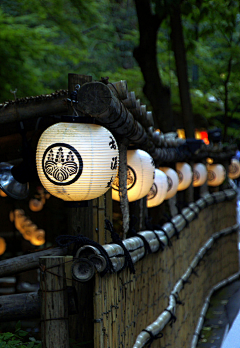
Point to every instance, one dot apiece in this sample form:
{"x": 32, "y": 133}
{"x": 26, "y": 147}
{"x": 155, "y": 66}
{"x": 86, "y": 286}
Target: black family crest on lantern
{"x": 180, "y": 176}
{"x": 62, "y": 164}
{"x": 211, "y": 175}
{"x": 196, "y": 175}
{"x": 131, "y": 179}
{"x": 153, "y": 192}
{"x": 170, "y": 183}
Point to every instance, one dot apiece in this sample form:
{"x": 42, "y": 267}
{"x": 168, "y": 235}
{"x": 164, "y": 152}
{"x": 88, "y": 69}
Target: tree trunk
{"x": 146, "y": 55}
{"x": 181, "y": 67}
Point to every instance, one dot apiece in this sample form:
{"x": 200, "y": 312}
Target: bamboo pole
{"x": 54, "y": 310}
{"x": 27, "y": 262}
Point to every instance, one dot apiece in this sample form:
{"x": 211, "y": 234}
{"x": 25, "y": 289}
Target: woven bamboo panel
{"x": 125, "y": 304}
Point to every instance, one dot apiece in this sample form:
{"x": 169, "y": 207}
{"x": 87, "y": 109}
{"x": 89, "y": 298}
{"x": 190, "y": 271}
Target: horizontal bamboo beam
{"x": 34, "y": 107}
{"x": 27, "y": 305}
{"x": 27, "y": 262}
{"x": 135, "y": 245}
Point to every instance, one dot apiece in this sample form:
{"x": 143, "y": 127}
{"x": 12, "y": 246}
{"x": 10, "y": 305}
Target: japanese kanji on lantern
{"x": 184, "y": 172}
{"x": 199, "y": 174}
{"x": 158, "y": 191}
{"x": 173, "y": 181}
{"x": 234, "y": 169}
{"x": 216, "y": 174}
{"x": 77, "y": 162}
{"x": 140, "y": 176}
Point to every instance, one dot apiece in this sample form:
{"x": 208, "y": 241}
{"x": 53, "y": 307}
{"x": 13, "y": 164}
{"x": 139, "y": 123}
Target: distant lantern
{"x": 3, "y": 246}
{"x": 2, "y": 194}
{"x": 140, "y": 176}
{"x": 35, "y": 204}
{"x": 77, "y": 162}
{"x": 185, "y": 174}
{"x": 173, "y": 181}
{"x": 216, "y": 174}
{"x": 158, "y": 191}
{"x": 234, "y": 169}
{"x": 199, "y": 174}
{"x": 38, "y": 238}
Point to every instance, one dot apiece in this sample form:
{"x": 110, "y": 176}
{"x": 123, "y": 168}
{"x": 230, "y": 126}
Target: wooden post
{"x": 54, "y": 311}
{"x": 81, "y": 220}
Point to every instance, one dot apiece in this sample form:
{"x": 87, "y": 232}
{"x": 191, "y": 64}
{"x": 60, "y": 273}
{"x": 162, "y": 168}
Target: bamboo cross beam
{"x": 34, "y": 107}
{"x": 27, "y": 306}
{"x": 27, "y": 262}
{"x": 97, "y": 100}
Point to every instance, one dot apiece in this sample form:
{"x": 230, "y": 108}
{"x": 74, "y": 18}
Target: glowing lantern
{"x": 216, "y": 174}
{"x": 203, "y": 135}
{"x": 2, "y": 194}
{"x": 140, "y": 176}
{"x": 173, "y": 181}
{"x": 77, "y": 162}
{"x": 234, "y": 169}
{"x": 35, "y": 204}
{"x": 158, "y": 191}
{"x": 38, "y": 238}
{"x": 3, "y": 246}
{"x": 181, "y": 133}
{"x": 199, "y": 174}
{"x": 184, "y": 171}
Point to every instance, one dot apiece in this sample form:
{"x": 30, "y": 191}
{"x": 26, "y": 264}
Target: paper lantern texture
{"x": 199, "y": 174}
{"x": 216, "y": 174}
{"x": 173, "y": 181}
{"x": 77, "y": 162}
{"x": 234, "y": 169}
{"x": 158, "y": 191}
{"x": 140, "y": 176}
{"x": 184, "y": 171}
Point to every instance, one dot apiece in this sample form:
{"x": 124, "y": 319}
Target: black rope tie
{"x": 173, "y": 317}
{"x": 176, "y": 232}
{"x": 185, "y": 219}
{"x": 132, "y": 232}
{"x": 176, "y": 296}
{"x": 152, "y": 337}
{"x": 116, "y": 239}
{"x": 226, "y": 196}
{"x": 161, "y": 244}
{"x": 195, "y": 213}
{"x": 79, "y": 241}
{"x": 194, "y": 272}
{"x": 205, "y": 200}
{"x": 153, "y": 228}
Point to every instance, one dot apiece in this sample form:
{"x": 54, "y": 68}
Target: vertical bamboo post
{"x": 123, "y": 187}
{"x": 54, "y": 311}
{"x": 80, "y": 221}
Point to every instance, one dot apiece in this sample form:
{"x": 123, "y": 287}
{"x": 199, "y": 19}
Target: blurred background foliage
{"x": 42, "y": 41}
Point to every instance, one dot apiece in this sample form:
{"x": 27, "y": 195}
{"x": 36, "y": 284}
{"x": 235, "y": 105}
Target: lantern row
{"x": 77, "y": 162}
{"x": 165, "y": 317}
{"x": 135, "y": 245}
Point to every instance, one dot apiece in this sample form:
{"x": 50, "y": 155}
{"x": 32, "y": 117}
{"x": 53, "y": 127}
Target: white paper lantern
{"x": 77, "y": 162}
{"x": 140, "y": 176}
{"x": 158, "y": 191}
{"x": 199, "y": 174}
{"x": 234, "y": 169}
{"x": 173, "y": 181}
{"x": 216, "y": 174}
{"x": 184, "y": 172}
